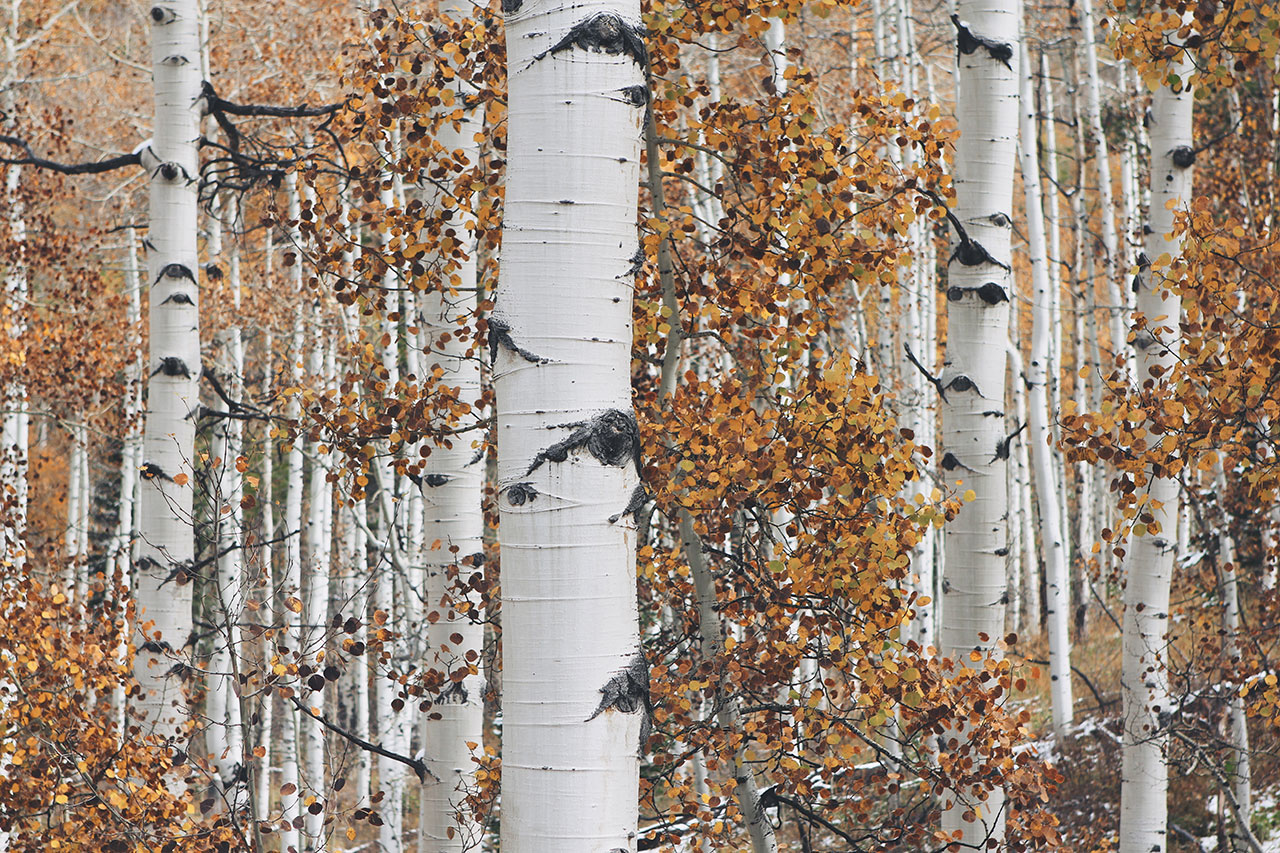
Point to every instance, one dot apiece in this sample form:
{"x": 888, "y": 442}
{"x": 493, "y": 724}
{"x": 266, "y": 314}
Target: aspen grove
{"x": 617, "y": 425}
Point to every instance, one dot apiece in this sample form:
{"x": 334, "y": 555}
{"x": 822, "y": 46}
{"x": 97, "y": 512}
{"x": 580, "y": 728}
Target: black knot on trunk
{"x": 992, "y": 293}
{"x": 170, "y": 171}
{"x": 628, "y": 692}
{"x": 176, "y": 271}
{"x": 971, "y": 253}
{"x": 500, "y": 336}
{"x": 639, "y": 497}
{"x": 1000, "y": 220}
{"x": 605, "y": 32}
{"x": 157, "y": 647}
{"x": 1183, "y": 156}
{"x": 612, "y": 437}
{"x": 518, "y": 494}
{"x": 961, "y": 383}
{"x": 178, "y": 299}
{"x": 968, "y": 42}
{"x": 434, "y": 480}
{"x": 1143, "y": 261}
{"x": 636, "y": 96}
{"x": 955, "y": 294}
{"x": 151, "y": 470}
{"x": 171, "y": 365}
{"x": 950, "y": 462}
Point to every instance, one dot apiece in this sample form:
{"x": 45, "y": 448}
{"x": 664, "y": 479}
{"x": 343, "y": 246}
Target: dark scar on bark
{"x": 612, "y": 437}
{"x": 171, "y": 365}
{"x": 950, "y": 463}
{"x": 510, "y": 7}
{"x": 159, "y": 647}
{"x": 434, "y": 480}
{"x": 1183, "y": 156}
{"x": 639, "y": 497}
{"x": 178, "y": 299}
{"x": 637, "y": 263}
{"x": 175, "y": 271}
{"x": 519, "y": 494}
{"x": 636, "y": 96}
{"x": 967, "y": 42}
{"x": 500, "y": 336}
{"x": 454, "y": 694}
{"x": 606, "y": 33}
{"x": 962, "y": 383}
{"x": 151, "y": 470}
{"x": 990, "y": 293}
{"x": 628, "y": 692}
{"x": 1002, "y": 449}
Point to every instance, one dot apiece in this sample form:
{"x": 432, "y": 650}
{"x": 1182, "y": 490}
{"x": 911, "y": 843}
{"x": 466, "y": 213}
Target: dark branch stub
{"x": 628, "y": 692}
{"x": 933, "y": 380}
{"x": 636, "y": 96}
{"x": 967, "y": 42}
{"x": 612, "y": 437}
{"x": 639, "y": 497}
{"x": 606, "y": 33}
{"x": 500, "y": 336}
{"x": 1183, "y": 156}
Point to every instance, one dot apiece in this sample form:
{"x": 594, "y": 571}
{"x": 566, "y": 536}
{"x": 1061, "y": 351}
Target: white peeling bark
{"x": 567, "y": 439}
{"x": 1039, "y": 368}
{"x": 973, "y": 422}
{"x": 1144, "y": 678}
{"x": 166, "y": 550}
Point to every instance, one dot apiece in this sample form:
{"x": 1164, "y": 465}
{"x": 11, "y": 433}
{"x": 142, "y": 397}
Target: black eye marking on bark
{"x": 500, "y": 336}
{"x": 990, "y": 293}
{"x": 1000, "y": 220}
{"x": 510, "y": 7}
{"x": 161, "y": 15}
{"x": 1001, "y": 552}
{"x": 612, "y": 437}
{"x": 951, "y": 463}
{"x": 628, "y": 692}
{"x": 435, "y": 480}
{"x": 971, "y": 253}
{"x": 151, "y": 470}
{"x": 606, "y": 33}
{"x": 479, "y": 454}
{"x": 178, "y": 299}
{"x": 518, "y": 494}
{"x": 993, "y": 413}
{"x": 1143, "y": 261}
{"x": 171, "y": 171}
{"x": 636, "y": 96}
{"x": 1148, "y": 118}
{"x": 171, "y": 365}
{"x": 181, "y": 671}
{"x": 1183, "y": 156}
{"x": 968, "y": 42}
{"x": 158, "y": 647}
{"x": 639, "y": 497}
{"x": 175, "y": 271}
{"x": 213, "y": 271}
{"x": 1002, "y": 449}
{"x": 962, "y": 383}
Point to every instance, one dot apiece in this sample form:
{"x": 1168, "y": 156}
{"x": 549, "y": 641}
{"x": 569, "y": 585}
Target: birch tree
{"x": 568, "y": 445}
{"x": 1144, "y": 677}
{"x": 973, "y": 377}
{"x": 166, "y": 544}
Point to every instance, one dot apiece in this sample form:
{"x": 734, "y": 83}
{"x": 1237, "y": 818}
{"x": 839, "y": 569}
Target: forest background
{"x": 865, "y": 408}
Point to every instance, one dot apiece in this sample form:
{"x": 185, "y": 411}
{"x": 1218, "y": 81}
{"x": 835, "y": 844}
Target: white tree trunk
{"x": 1039, "y": 368}
{"x": 266, "y": 612}
{"x": 979, "y": 289}
{"x": 166, "y": 550}
{"x": 568, "y": 445}
{"x": 290, "y": 745}
{"x": 1144, "y": 678}
{"x": 315, "y": 618}
{"x": 1241, "y": 774}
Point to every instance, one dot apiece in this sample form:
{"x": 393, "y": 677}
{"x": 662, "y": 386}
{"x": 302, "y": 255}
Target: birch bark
{"x": 1039, "y": 368}
{"x": 1144, "y": 678}
{"x": 973, "y": 422}
{"x": 568, "y": 446}
{"x": 166, "y": 549}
